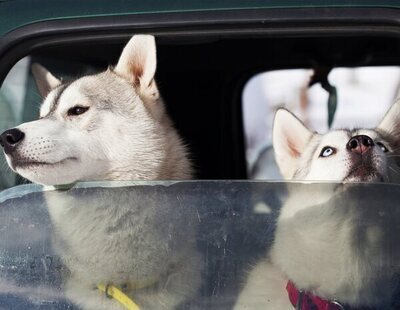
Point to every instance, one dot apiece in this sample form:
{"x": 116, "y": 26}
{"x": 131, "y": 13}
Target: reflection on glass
{"x": 197, "y": 245}
{"x": 335, "y": 245}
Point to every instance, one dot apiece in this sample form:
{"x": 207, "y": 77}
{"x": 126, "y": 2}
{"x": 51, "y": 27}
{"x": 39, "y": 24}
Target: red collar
{"x": 309, "y": 301}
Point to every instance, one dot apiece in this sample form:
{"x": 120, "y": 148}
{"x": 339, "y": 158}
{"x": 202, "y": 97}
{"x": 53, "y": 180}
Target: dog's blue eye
{"x": 327, "y": 151}
{"x": 382, "y": 147}
{"x": 78, "y": 110}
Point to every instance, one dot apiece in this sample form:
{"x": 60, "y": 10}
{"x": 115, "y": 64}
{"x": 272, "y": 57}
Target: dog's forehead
{"x": 78, "y": 92}
{"x": 74, "y": 94}
{"x": 335, "y": 138}
{"x": 368, "y": 132}
{"x": 52, "y": 100}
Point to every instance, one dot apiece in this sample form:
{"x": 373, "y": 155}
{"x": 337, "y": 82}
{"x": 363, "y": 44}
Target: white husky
{"x": 111, "y": 126}
{"x": 108, "y": 126}
{"x": 335, "y": 244}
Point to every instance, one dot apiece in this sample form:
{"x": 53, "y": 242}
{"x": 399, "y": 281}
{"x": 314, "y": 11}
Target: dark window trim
{"x": 277, "y": 22}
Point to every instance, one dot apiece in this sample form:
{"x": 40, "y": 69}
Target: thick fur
{"x": 124, "y": 135}
{"x": 126, "y": 237}
{"x": 112, "y": 126}
{"x": 337, "y": 241}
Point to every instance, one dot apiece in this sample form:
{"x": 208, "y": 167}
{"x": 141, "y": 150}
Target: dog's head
{"x": 360, "y": 155}
{"x": 103, "y": 126}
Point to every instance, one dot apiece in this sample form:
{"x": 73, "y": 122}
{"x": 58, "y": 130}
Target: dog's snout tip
{"x": 360, "y": 144}
{"x": 10, "y": 139}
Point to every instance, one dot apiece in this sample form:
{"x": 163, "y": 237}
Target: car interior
{"x": 202, "y": 80}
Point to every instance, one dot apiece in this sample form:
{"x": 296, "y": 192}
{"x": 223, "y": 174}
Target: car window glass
{"x": 54, "y": 241}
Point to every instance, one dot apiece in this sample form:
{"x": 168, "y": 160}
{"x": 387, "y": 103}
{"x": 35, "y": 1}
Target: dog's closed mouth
{"x": 24, "y": 163}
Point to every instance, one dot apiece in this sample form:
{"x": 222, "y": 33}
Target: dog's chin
{"x": 364, "y": 174}
{"x": 47, "y": 173}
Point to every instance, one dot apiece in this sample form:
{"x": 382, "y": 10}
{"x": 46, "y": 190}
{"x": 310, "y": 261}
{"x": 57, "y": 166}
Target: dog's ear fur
{"x": 45, "y": 81}
{"x": 390, "y": 123}
{"x": 138, "y": 63}
{"x": 290, "y": 137}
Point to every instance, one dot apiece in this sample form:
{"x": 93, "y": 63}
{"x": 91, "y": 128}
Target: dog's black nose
{"x": 360, "y": 144}
{"x": 10, "y": 139}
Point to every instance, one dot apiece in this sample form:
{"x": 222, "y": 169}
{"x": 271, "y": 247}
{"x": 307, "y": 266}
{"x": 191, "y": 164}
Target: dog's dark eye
{"x": 78, "y": 110}
{"x": 382, "y": 147}
{"x": 327, "y": 151}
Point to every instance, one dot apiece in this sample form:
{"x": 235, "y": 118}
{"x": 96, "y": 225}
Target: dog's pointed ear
{"x": 138, "y": 63}
{"x": 290, "y": 137}
{"x": 45, "y": 81}
{"x": 390, "y": 123}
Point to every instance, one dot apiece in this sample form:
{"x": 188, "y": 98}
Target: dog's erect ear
{"x": 390, "y": 123}
{"x": 45, "y": 81}
{"x": 290, "y": 137}
{"x": 138, "y": 62}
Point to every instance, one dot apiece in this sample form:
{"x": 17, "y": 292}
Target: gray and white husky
{"x": 335, "y": 243}
{"x": 108, "y": 126}
{"x": 111, "y": 126}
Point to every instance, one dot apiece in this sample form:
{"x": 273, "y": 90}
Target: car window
{"x": 217, "y": 229}
{"x": 363, "y": 96}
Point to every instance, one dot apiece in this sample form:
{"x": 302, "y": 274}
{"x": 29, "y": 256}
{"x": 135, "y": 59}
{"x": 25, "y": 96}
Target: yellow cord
{"x": 119, "y": 296}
